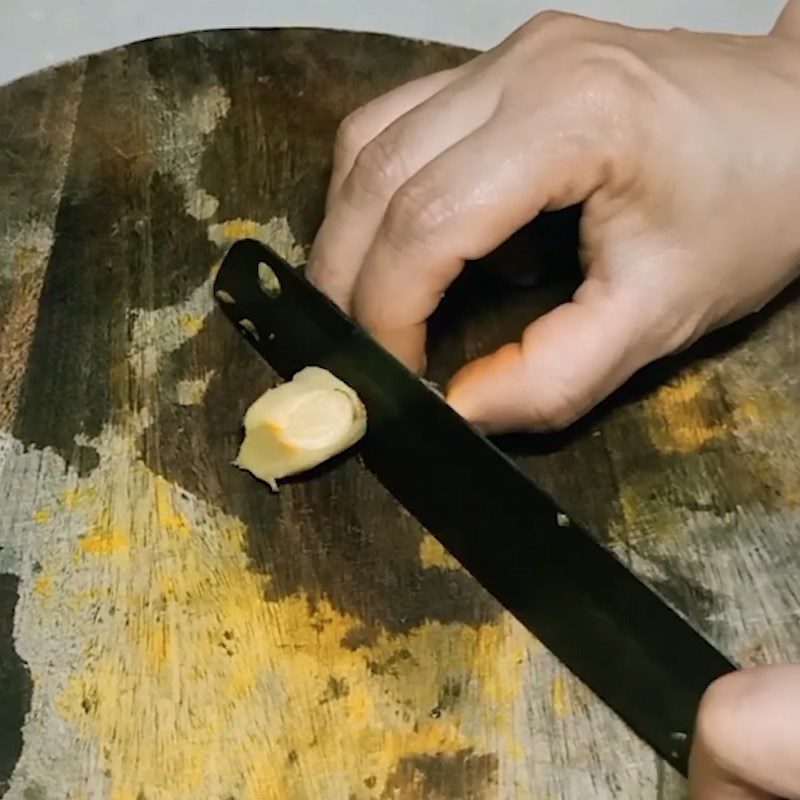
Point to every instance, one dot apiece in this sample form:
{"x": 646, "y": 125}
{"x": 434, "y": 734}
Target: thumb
{"x": 567, "y": 362}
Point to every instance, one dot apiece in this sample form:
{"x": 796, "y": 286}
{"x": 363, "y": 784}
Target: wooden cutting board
{"x": 169, "y": 629}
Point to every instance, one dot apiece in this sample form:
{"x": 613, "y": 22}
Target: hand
{"x": 684, "y": 147}
{"x": 747, "y": 742}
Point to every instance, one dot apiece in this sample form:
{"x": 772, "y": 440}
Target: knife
{"x": 636, "y": 653}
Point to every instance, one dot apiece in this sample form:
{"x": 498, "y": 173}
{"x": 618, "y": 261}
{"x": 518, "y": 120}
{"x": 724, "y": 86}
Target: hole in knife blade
{"x": 224, "y": 297}
{"x": 248, "y": 325}
{"x": 268, "y": 280}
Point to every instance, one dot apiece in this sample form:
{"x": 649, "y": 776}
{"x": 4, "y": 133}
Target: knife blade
{"x": 634, "y": 651}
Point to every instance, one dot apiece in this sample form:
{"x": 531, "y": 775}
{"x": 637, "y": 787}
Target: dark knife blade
{"x": 627, "y": 645}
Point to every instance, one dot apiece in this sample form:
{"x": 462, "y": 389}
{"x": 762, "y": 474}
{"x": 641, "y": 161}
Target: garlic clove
{"x": 300, "y": 424}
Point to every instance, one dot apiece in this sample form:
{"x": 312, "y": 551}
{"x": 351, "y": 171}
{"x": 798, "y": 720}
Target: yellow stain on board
{"x": 191, "y": 323}
{"x": 233, "y": 230}
{"x": 169, "y": 518}
{"x": 195, "y": 684}
{"x": 643, "y": 514}
{"x": 276, "y": 233}
{"x": 43, "y": 586}
{"x": 567, "y": 694}
{"x": 678, "y": 422}
{"x": 77, "y": 601}
{"x": 80, "y": 495}
{"x": 42, "y": 515}
{"x": 104, "y": 540}
{"x": 433, "y": 554}
{"x": 637, "y": 511}
{"x": 682, "y": 419}
{"x": 559, "y": 696}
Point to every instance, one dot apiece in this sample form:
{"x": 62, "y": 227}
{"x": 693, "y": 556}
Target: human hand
{"x": 684, "y": 147}
{"x": 747, "y": 742}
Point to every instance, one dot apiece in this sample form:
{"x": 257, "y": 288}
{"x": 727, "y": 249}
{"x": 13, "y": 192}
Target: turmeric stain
{"x": 191, "y": 324}
{"x": 567, "y": 694}
{"x": 104, "y": 540}
{"x": 43, "y": 587}
{"x": 169, "y": 518}
{"x": 42, "y": 515}
{"x": 76, "y": 496}
{"x": 636, "y": 512}
{"x": 225, "y": 233}
{"x": 78, "y": 601}
{"x": 687, "y": 414}
{"x": 433, "y": 554}
{"x": 559, "y": 697}
{"x": 679, "y": 420}
{"x": 193, "y": 683}
{"x": 276, "y": 233}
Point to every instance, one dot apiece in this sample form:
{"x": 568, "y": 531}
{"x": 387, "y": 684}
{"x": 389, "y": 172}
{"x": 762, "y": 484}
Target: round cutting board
{"x": 169, "y": 628}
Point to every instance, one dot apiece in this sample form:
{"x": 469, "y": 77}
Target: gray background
{"x": 37, "y": 33}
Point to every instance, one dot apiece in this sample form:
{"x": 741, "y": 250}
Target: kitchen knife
{"x": 638, "y": 655}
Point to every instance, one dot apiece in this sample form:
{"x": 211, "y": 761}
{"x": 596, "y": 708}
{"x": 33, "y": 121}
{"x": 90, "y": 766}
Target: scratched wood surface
{"x": 169, "y": 628}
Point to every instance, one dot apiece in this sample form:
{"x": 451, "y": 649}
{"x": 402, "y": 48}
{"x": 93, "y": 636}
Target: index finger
{"x": 460, "y": 207}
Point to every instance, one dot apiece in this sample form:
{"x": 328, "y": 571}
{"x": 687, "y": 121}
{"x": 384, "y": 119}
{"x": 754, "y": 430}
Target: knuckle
{"x": 556, "y": 399}
{"x": 554, "y": 415}
{"x": 615, "y": 79}
{"x": 549, "y": 25}
{"x": 558, "y": 408}
{"x": 612, "y": 68}
{"x": 377, "y": 169}
{"x": 415, "y": 214}
{"x": 352, "y": 134}
{"x": 548, "y": 20}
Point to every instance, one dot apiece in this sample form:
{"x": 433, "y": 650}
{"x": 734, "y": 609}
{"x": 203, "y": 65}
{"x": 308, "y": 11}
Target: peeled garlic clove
{"x": 298, "y": 425}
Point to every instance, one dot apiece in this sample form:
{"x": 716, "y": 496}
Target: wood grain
{"x": 178, "y": 630}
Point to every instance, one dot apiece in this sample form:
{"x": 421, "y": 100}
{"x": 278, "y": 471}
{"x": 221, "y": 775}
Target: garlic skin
{"x": 300, "y": 424}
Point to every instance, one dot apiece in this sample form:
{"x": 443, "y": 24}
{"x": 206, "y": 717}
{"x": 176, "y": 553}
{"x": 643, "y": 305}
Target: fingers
{"x": 367, "y": 122}
{"x": 788, "y": 23}
{"x": 747, "y": 741}
{"x": 567, "y": 361}
{"x": 462, "y": 206}
{"x": 382, "y": 166}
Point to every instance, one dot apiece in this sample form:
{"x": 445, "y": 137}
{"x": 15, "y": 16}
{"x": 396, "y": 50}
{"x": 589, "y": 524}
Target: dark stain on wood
{"x": 463, "y": 776}
{"x": 15, "y": 684}
{"x": 124, "y": 243}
